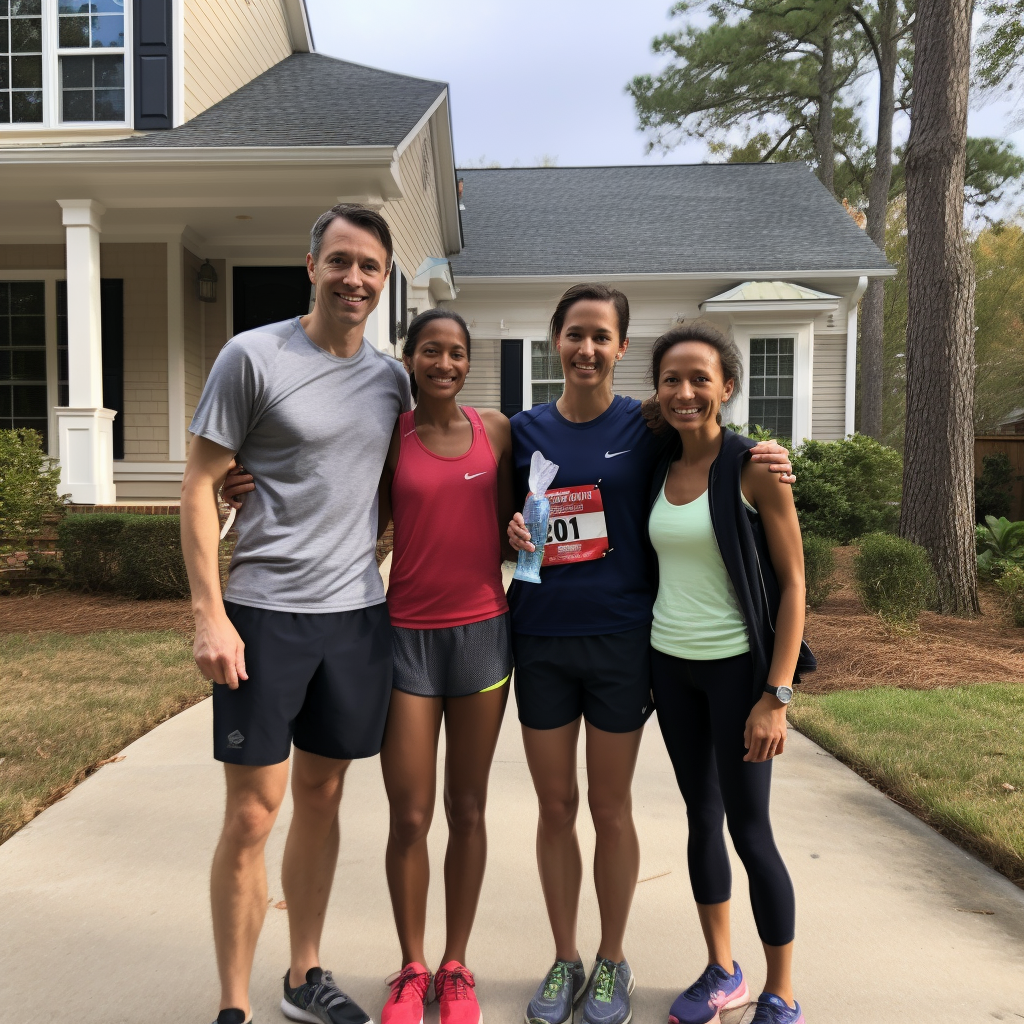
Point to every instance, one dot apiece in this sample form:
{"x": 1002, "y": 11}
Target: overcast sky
{"x": 530, "y": 78}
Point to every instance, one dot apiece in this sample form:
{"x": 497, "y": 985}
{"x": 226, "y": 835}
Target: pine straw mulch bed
{"x": 856, "y": 649}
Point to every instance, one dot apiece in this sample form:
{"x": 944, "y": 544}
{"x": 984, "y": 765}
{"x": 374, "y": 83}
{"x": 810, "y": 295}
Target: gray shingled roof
{"x": 656, "y": 219}
{"x": 308, "y": 99}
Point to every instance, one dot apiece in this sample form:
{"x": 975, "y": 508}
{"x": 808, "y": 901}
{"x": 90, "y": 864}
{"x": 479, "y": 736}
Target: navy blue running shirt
{"x": 618, "y": 452}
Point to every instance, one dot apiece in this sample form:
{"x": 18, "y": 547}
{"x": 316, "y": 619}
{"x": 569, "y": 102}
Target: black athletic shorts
{"x": 322, "y": 680}
{"x": 606, "y": 679}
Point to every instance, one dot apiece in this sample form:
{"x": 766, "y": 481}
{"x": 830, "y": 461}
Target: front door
{"x": 267, "y": 295}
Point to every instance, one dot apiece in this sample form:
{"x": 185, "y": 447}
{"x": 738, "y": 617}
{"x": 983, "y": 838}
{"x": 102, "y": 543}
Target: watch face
{"x": 784, "y": 694}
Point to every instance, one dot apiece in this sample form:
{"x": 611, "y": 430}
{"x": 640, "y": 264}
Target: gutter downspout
{"x": 851, "y": 355}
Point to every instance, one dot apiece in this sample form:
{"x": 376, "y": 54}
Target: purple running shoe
{"x": 773, "y": 1010}
{"x": 716, "y": 989}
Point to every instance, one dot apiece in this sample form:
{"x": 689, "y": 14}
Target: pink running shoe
{"x": 454, "y": 983}
{"x": 408, "y": 994}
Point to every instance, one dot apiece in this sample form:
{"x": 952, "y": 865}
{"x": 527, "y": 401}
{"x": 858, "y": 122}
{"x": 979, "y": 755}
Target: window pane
{"x": 5, "y": 298}
{"x": 5, "y": 406}
{"x": 26, "y": 7}
{"x": 74, "y": 7}
{"x": 757, "y": 346}
{"x": 756, "y": 363}
{"x": 76, "y": 72}
{"x": 756, "y": 386}
{"x": 108, "y": 30}
{"x": 28, "y": 330}
{"x": 28, "y": 366}
{"x": 26, "y": 35}
{"x": 109, "y": 71}
{"x": 74, "y": 32}
{"x": 5, "y": 67}
{"x": 27, "y": 107}
{"x": 110, "y": 104}
{"x": 5, "y": 364}
{"x": 3, "y": 8}
{"x": 5, "y": 108}
{"x": 108, "y": 6}
{"x": 541, "y": 393}
{"x": 27, "y": 72}
{"x": 77, "y": 105}
{"x": 28, "y": 297}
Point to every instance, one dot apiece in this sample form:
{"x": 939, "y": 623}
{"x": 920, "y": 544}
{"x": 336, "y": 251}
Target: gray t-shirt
{"x": 314, "y": 430}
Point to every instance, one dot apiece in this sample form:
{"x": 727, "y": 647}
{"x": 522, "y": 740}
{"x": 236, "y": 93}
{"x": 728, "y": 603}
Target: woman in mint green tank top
{"x": 726, "y": 643}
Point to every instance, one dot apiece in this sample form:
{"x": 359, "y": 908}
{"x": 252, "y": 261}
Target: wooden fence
{"x": 1013, "y": 446}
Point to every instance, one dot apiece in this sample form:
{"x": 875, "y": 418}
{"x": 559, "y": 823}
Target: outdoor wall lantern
{"x": 207, "y": 283}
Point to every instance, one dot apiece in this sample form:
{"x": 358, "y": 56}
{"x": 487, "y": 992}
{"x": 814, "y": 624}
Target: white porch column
{"x": 851, "y": 354}
{"x": 85, "y": 428}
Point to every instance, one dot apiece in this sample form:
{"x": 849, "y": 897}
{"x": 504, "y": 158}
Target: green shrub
{"x": 845, "y": 489}
{"x": 993, "y": 490}
{"x": 1000, "y": 545}
{"x": 1011, "y": 583}
{"x": 148, "y": 560}
{"x": 87, "y": 543}
{"x": 28, "y": 484}
{"x": 894, "y": 577}
{"x": 819, "y": 568}
{"x": 132, "y": 555}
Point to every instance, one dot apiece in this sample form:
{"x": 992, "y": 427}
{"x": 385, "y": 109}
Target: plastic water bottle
{"x": 535, "y": 514}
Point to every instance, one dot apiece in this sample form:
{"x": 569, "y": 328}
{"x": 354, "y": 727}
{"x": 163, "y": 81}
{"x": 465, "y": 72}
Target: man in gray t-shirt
{"x": 299, "y": 647}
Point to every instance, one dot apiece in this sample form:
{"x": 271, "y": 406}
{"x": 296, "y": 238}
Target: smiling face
{"x": 692, "y": 387}
{"x": 589, "y": 344}
{"x": 440, "y": 360}
{"x": 349, "y": 274}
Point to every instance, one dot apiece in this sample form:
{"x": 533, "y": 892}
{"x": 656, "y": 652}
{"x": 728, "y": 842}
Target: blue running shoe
{"x": 773, "y": 1010}
{"x": 608, "y": 992}
{"x": 715, "y": 990}
{"x": 558, "y": 994}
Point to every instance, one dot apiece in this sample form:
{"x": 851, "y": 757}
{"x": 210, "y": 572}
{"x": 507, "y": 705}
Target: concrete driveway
{"x": 105, "y": 920}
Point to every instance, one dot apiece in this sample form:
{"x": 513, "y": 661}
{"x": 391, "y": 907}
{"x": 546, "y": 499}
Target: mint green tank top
{"x": 696, "y": 614}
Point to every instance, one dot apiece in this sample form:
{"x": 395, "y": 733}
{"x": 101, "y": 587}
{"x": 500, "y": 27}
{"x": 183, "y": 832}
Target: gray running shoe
{"x": 320, "y": 1001}
{"x": 558, "y": 994}
{"x": 608, "y": 992}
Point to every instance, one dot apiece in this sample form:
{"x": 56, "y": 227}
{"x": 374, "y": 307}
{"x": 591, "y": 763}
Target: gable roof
{"x": 657, "y": 219}
{"x": 307, "y": 99}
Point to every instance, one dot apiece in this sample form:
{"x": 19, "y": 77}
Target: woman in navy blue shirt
{"x": 581, "y": 641}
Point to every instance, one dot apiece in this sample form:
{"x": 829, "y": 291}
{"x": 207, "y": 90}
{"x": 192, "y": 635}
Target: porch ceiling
{"x": 251, "y": 199}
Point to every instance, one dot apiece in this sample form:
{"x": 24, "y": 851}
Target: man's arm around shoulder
{"x": 218, "y": 649}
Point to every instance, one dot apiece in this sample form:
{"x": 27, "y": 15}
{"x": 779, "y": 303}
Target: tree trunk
{"x": 872, "y": 308}
{"x": 938, "y": 474}
{"x": 824, "y": 142}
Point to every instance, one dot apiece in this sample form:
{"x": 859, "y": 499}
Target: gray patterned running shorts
{"x": 453, "y": 662}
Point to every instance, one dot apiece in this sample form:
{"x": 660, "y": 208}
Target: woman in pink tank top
{"x": 449, "y": 481}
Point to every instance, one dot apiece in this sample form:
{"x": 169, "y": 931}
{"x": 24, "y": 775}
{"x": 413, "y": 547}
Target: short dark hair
{"x": 596, "y": 293}
{"x": 699, "y": 330}
{"x": 416, "y": 328}
{"x": 363, "y": 217}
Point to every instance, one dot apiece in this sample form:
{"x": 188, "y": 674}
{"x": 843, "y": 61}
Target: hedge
{"x": 894, "y": 577}
{"x": 132, "y": 555}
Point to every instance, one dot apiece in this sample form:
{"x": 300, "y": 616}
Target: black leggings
{"x": 702, "y": 710}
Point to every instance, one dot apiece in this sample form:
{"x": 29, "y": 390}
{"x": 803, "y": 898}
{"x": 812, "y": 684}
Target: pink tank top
{"x": 446, "y": 566}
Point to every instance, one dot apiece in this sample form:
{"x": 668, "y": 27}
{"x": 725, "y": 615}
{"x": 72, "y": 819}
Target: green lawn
{"x": 948, "y": 754}
{"x": 68, "y": 702}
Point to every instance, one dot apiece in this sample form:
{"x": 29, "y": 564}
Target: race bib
{"x": 577, "y": 531}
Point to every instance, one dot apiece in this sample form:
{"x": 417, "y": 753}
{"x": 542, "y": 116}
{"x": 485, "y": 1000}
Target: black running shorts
{"x": 322, "y": 680}
{"x": 606, "y": 679}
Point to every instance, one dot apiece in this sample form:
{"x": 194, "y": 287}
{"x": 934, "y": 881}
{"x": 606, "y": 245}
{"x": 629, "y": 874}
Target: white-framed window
{"x": 546, "y": 380}
{"x": 64, "y": 62}
{"x": 771, "y": 385}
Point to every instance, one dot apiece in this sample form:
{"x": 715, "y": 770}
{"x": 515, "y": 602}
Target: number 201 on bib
{"x": 577, "y": 531}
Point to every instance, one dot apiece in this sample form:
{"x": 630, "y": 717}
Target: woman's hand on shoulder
{"x": 776, "y": 458}
{"x": 765, "y": 732}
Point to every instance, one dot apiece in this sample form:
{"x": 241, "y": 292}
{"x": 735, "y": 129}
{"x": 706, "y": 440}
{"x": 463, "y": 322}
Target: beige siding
{"x": 828, "y": 412}
{"x": 631, "y": 373}
{"x": 229, "y": 43}
{"x": 143, "y": 267}
{"x": 31, "y": 257}
{"x": 193, "y": 324}
{"x": 415, "y": 221}
{"x": 482, "y": 389}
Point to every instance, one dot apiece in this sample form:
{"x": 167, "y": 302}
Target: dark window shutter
{"x": 511, "y": 376}
{"x": 153, "y": 64}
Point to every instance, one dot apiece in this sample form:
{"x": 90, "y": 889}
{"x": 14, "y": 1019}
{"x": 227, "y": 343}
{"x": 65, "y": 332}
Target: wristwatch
{"x": 783, "y": 694}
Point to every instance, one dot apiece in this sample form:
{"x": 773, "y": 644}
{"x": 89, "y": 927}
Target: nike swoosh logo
{"x": 611, "y": 455}
{"x": 475, "y": 475}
